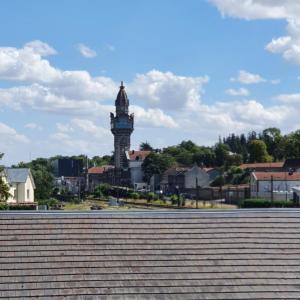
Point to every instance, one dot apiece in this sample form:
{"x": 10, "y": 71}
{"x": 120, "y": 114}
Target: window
{"x": 28, "y": 194}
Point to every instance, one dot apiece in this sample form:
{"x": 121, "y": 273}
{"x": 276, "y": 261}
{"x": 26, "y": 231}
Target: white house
{"x": 135, "y": 160}
{"x": 21, "y": 185}
{"x": 277, "y": 184}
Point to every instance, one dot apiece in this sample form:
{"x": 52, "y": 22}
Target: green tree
{"x": 258, "y": 151}
{"x": 221, "y": 153}
{"x": 4, "y": 188}
{"x": 156, "y": 163}
{"x": 272, "y": 138}
{"x": 145, "y": 146}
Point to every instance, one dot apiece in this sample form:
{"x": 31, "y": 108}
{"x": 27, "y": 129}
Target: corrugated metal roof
{"x": 150, "y": 255}
{"x": 17, "y": 175}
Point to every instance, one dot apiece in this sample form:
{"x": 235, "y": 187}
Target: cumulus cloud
{"x": 153, "y": 117}
{"x": 248, "y": 78}
{"x": 33, "y": 126}
{"x": 237, "y": 92}
{"x": 41, "y": 48}
{"x": 89, "y": 127}
{"x": 288, "y": 98}
{"x": 251, "y": 78}
{"x": 86, "y": 51}
{"x": 168, "y": 91}
{"x": 9, "y": 135}
{"x": 288, "y": 45}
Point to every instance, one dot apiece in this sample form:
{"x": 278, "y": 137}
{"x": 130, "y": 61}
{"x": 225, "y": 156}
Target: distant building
{"x": 184, "y": 179}
{"x": 135, "y": 160}
{"x": 278, "y": 185}
{"x": 122, "y": 128}
{"x": 67, "y": 167}
{"x": 98, "y": 175}
{"x": 21, "y": 185}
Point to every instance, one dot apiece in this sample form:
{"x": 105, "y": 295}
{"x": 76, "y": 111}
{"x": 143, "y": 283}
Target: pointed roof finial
{"x": 122, "y": 85}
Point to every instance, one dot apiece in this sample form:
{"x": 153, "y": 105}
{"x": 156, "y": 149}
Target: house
{"x": 135, "y": 160}
{"x": 178, "y": 255}
{"x": 273, "y": 185}
{"x": 97, "y": 175}
{"x": 184, "y": 179}
{"x": 21, "y": 185}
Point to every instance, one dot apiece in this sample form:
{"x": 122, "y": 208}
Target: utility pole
{"x": 197, "y": 192}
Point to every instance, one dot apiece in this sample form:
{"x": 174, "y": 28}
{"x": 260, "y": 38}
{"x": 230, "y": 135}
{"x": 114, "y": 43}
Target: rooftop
{"x": 17, "y": 175}
{"x": 262, "y": 165}
{"x": 240, "y": 254}
{"x": 277, "y": 176}
{"x": 99, "y": 170}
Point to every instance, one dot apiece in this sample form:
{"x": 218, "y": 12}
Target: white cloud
{"x": 33, "y": 126}
{"x": 288, "y": 98}
{"x": 248, "y": 78}
{"x": 89, "y": 127}
{"x": 9, "y": 135}
{"x": 41, "y": 48}
{"x": 64, "y": 128}
{"x": 238, "y": 92}
{"x": 153, "y": 117}
{"x": 86, "y": 51}
{"x": 168, "y": 91}
{"x": 25, "y": 64}
{"x": 288, "y": 45}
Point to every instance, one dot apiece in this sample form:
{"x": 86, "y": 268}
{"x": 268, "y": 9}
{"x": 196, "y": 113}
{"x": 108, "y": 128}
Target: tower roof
{"x": 122, "y": 99}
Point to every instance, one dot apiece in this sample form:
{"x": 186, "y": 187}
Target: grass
{"x": 144, "y": 204}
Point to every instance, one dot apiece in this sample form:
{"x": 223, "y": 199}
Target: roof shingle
{"x": 150, "y": 255}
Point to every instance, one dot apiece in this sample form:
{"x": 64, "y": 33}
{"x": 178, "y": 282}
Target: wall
{"x": 136, "y": 173}
{"x": 195, "y": 176}
{"x": 262, "y": 189}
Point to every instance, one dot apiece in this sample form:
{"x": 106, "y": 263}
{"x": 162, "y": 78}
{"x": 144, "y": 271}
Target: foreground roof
{"x": 150, "y": 255}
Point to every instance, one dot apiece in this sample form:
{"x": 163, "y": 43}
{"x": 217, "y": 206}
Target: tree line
{"x": 269, "y": 145}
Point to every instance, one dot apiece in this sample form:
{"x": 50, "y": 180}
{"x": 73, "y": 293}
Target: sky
{"x": 193, "y": 69}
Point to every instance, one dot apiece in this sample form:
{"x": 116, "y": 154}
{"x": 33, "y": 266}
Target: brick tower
{"x": 121, "y": 128}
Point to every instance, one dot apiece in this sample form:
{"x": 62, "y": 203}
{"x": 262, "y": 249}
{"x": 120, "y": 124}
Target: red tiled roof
{"x": 262, "y": 165}
{"x": 133, "y": 154}
{"x": 99, "y": 170}
{"x": 277, "y": 176}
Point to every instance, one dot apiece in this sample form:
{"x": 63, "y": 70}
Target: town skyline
{"x": 222, "y": 70}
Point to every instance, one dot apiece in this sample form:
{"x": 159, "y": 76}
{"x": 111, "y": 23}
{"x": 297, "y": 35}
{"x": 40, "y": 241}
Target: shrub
{"x": 3, "y": 206}
{"x": 174, "y": 199}
{"x": 134, "y": 195}
{"x": 21, "y": 207}
{"x": 264, "y": 203}
{"x": 152, "y": 196}
{"x": 52, "y": 202}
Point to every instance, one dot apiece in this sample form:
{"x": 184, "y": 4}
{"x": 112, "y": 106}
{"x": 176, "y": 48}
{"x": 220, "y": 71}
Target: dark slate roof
{"x": 17, "y": 175}
{"x": 150, "y": 255}
{"x": 122, "y": 99}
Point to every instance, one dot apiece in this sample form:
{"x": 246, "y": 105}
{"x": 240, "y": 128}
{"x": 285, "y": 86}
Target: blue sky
{"x": 193, "y": 69}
